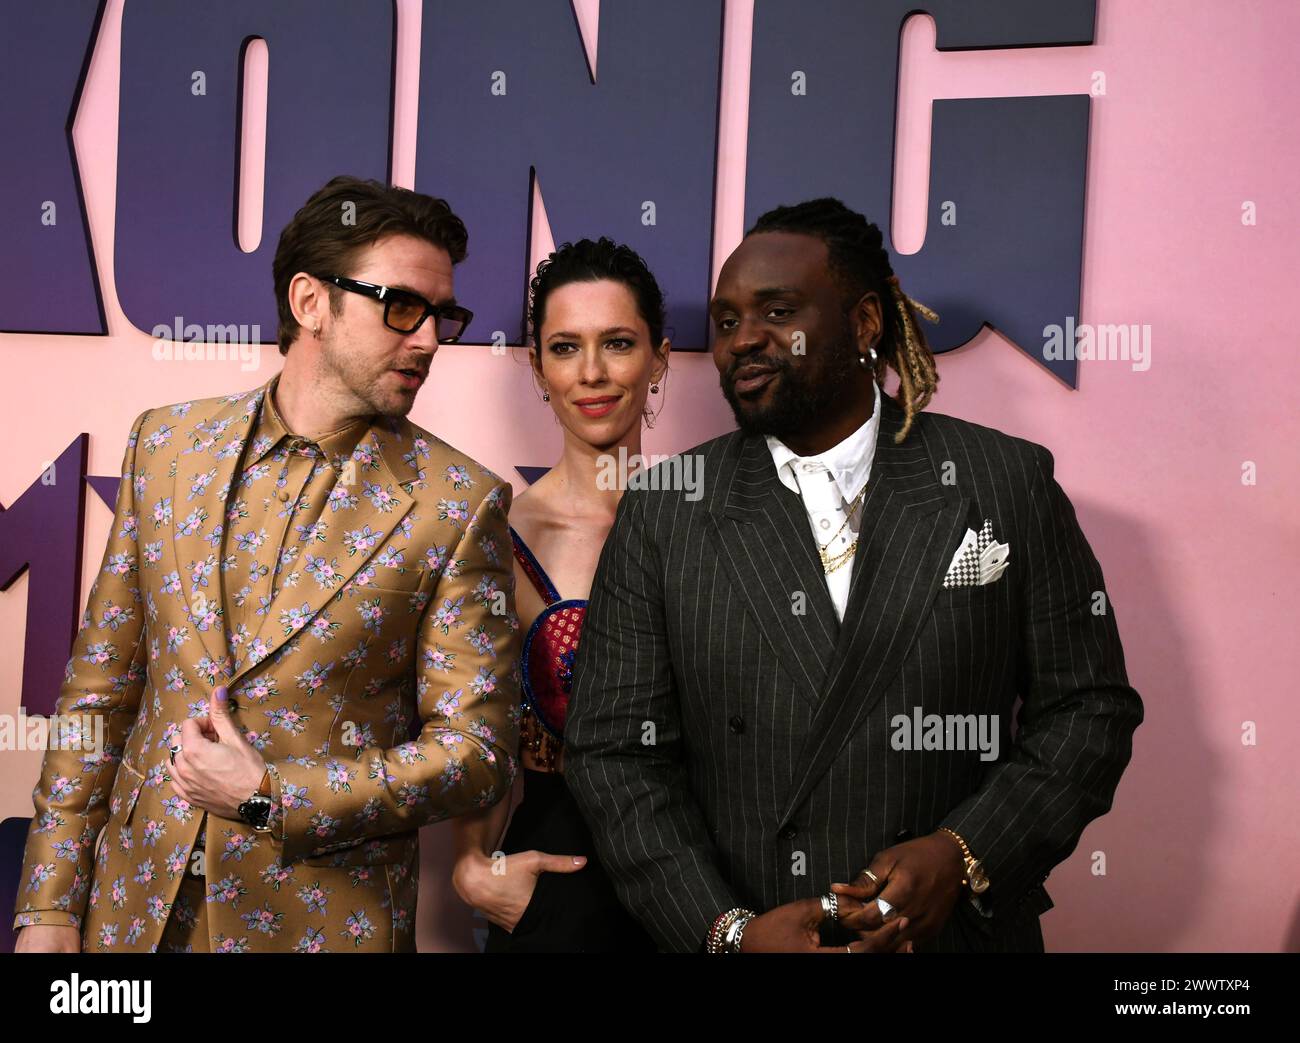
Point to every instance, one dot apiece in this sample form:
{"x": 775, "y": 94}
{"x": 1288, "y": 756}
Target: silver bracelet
{"x": 721, "y": 926}
{"x": 731, "y": 942}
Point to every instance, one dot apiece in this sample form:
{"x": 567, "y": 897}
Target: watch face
{"x": 979, "y": 881}
{"x": 255, "y": 811}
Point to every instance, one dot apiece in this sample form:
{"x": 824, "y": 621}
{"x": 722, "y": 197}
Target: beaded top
{"x": 547, "y": 656}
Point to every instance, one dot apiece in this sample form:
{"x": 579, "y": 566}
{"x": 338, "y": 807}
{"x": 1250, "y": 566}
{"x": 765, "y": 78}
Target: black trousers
{"x": 569, "y": 912}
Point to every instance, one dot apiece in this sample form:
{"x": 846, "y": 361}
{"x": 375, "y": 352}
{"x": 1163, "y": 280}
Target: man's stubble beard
{"x": 797, "y": 404}
{"x": 342, "y": 366}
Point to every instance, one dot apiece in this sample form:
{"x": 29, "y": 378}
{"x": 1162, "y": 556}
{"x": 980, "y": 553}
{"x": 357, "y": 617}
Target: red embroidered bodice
{"x": 549, "y": 649}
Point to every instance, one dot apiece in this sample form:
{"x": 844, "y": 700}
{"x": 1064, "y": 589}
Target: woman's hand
{"x": 501, "y": 887}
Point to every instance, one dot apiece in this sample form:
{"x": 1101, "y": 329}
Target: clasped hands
{"x": 919, "y": 880}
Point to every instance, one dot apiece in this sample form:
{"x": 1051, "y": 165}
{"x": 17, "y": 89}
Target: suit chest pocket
{"x": 975, "y": 598}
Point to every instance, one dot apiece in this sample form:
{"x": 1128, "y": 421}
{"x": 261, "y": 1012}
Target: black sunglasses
{"x": 405, "y": 312}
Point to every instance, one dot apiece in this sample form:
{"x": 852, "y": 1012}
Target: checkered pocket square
{"x": 979, "y": 559}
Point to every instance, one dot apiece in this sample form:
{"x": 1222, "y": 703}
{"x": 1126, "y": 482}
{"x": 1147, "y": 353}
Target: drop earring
{"x": 546, "y": 396}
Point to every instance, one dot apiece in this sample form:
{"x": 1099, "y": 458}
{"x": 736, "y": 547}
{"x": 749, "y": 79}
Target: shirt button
{"x": 284, "y": 497}
{"x": 825, "y": 523}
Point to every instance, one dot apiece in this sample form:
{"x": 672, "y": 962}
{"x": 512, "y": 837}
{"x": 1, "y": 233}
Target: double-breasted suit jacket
{"x": 733, "y": 744}
{"x": 380, "y": 684}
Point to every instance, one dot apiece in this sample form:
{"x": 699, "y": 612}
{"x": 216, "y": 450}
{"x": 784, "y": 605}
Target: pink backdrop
{"x": 1198, "y": 117}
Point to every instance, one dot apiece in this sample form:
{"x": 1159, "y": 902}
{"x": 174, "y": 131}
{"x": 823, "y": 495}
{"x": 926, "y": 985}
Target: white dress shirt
{"x": 828, "y": 484}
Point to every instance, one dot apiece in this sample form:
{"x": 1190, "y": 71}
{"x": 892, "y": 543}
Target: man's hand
{"x": 217, "y": 769}
{"x": 793, "y": 927}
{"x": 41, "y": 937}
{"x": 502, "y": 888}
{"x": 921, "y": 879}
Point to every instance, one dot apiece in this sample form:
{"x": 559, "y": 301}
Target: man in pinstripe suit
{"x": 750, "y": 657}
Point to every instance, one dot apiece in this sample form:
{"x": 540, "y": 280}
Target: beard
{"x": 372, "y": 388}
{"x": 798, "y": 400}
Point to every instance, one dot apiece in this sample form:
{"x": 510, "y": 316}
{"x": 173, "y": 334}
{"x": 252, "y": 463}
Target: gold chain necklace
{"x": 831, "y": 562}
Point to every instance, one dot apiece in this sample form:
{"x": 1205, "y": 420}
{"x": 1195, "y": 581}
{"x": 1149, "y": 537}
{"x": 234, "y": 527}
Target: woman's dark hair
{"x": 860, "y": 263}
{"x": 595, "y": 261}
{"x": 342, "y": 218}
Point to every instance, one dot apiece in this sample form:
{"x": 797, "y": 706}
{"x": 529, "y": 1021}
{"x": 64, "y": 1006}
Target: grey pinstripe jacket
{"x": 728, "y": 750}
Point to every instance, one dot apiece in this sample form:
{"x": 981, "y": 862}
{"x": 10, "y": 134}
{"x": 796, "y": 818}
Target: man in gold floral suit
{"x": 302, "y": 641}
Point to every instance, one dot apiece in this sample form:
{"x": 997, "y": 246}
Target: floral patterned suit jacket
{"x": 381, "y": 687}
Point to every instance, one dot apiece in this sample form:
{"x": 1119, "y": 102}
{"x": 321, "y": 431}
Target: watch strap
{"x": 969, "y": 861}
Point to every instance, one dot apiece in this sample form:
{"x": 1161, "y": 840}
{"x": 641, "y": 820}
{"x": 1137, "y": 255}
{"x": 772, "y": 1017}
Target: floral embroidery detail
{"x": 238, "y": 556}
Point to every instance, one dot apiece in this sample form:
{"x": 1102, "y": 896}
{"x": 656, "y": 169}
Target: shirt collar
{"x": 849, "y": 461}
{"x": 272, "y": 435}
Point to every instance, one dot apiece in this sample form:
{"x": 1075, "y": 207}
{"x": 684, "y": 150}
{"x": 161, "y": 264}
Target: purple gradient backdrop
{"x": 1199, "y": 116}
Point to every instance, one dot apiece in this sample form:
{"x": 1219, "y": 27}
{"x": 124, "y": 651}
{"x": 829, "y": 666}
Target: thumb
{"x": 219, "y": 715}
{"x": 560, "y": 863}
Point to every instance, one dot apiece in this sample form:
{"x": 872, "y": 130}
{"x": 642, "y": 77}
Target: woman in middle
{"x": 598, "y": 350}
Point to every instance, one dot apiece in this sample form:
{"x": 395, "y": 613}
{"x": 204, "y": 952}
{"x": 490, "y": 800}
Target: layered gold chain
{"x": 831, "y": 562}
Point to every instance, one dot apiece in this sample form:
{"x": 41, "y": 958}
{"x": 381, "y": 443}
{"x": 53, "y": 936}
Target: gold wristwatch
{"x": 976, "y": 879}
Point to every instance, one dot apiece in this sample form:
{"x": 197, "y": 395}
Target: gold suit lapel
{"x": 203, "y": 473}
{"x": 382, "y": 476}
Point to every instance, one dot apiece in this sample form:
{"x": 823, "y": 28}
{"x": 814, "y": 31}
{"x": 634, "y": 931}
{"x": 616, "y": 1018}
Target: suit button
{"x": 901, "y": 835}
{"x": 790, "y": 832}
{"x": 736, "y": 724}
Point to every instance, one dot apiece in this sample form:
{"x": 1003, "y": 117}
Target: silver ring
{"x": 175, "y": 750}
{"x": 885, "y": 908}
{"x": 831, "y": 907}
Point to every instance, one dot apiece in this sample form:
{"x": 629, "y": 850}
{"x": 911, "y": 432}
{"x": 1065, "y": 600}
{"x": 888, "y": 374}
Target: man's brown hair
{"x": 343, "y": 218}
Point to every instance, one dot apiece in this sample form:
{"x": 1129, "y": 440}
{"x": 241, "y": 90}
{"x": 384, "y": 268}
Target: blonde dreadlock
{"x": 912, "y": 360}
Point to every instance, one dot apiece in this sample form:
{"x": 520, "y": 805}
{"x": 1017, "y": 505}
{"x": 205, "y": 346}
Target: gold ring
{"x": 874, "y": 879}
